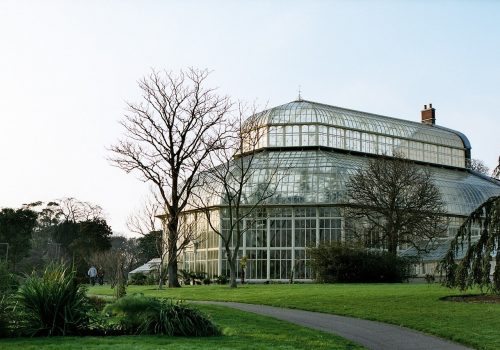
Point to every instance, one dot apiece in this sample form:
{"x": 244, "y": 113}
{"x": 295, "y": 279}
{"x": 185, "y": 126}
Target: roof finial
{"x": 300, "y": 96}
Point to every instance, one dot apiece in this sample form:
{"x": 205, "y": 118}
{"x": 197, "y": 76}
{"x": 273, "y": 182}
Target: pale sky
{"x": 67, "y": 68}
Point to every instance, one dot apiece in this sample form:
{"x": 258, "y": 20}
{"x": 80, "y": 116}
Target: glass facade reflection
{"x": 318, "y": 147}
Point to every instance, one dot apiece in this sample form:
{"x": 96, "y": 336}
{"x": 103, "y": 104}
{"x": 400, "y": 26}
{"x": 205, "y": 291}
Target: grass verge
{"x": 416, "y": 306}
{"x": 241, "y": 331}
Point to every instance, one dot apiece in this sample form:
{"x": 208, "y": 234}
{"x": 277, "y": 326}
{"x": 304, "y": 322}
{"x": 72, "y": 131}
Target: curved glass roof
{"x": 318, "y": 177}
{"x": 307, "y": 112}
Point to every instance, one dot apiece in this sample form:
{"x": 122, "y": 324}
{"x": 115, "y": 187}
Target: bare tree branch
{"x": 477, "y": 165}
{"x": 169, "y": 137}
{"x": 395, "y": 203}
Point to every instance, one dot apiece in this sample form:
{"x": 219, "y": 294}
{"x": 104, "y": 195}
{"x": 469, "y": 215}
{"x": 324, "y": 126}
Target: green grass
{"x": 415, "y": 306}
{"x": 241, "y": 331}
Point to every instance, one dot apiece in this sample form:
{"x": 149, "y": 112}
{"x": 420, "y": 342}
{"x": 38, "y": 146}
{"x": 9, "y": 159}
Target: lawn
{"x": 241, "y": 331}
{"x": 416, "y": 306}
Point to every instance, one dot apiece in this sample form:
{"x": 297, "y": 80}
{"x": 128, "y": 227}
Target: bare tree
{"x": 496, "y": 172}
{"x": 239, "y": 182}
{"x": 168, "y": 139}
{"x": 478, "y": 165}
{"x": 395, "y": 203}
{"x": 65, "y": 209}
{"x": 146, "y": 221}
{"x": 75, "y": 210}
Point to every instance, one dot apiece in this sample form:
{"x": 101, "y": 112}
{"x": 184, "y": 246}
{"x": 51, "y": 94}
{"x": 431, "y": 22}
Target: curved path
{"x": 371, "y": 334}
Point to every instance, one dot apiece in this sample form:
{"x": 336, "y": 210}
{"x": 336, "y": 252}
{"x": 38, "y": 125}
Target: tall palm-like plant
{"x": 54, "y": 303}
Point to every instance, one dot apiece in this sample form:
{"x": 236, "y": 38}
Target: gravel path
{"x": 371, "y": 334}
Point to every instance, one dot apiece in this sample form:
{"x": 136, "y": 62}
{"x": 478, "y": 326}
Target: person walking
{"x": 100, "y": 276}
{"x": 92, "y": 274}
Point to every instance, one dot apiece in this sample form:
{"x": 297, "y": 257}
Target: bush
{"x": 8, "y": 281}
{"x": 222, "y": 279}
{"x": 429, "y": 278}
{"x": 198, "y": 277}
{"x": 8, "y": 285}
{"x": 185, "y": 276}
{"x": 189, "y": 277}
{"x": 333, "y": 262}
{"x": 53, "y": 304}
{"x": 131, "y": 311}
{"x": 141, "y": 315}
{"x": 97, "y": 303}
{"x": 138, "y": 279}
{"x": 4, "y": 317}
{"x": 152, "y": 279}
{"x": 179, "y": 320}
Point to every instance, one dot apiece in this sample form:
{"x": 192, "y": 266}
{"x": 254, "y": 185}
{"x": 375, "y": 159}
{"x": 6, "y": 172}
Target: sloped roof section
{"x": 307, "y": 112}
{"x": 319, "y": 178}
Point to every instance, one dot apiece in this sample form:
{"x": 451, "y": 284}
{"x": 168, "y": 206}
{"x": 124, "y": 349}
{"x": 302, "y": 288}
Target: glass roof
{"x": 304, "y": 112}
{"x": 438, "y": 252}
{"x": 318, "y": 177}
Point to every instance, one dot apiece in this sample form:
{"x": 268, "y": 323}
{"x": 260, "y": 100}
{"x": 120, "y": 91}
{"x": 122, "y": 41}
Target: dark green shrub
{"x": 185, "y": 276}
{"x": 189, "y": 277}
{"x": 198, "y": 277}
{"x": 138, "y": 279}
{"x": 152, "y": 279}
{"x": 429, "y": 278}
{"x": 4, "y": 317}
{"x": 8, "y": 285}
{"x": 53, "y": 304}
{"x": 222, "y": 279}
{"x": 333, "y": 262}
{"x": 142, "y": 315}
{"x": 8, "y": 281}
{"x": 178, "y": 320}
{"x": 207, "y": 280}
{"x": 97, "y": 303}
{"x": 132, "y": 310}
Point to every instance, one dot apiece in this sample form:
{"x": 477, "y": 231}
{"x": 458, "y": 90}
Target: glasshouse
{"x": 319, "y": 146}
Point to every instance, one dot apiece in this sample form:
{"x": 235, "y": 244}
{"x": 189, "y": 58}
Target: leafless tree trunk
{"x": 169, "y": 137}
{"x": 394, "y": 203}
{"x": 233, "y": 183}
{"x": 496, "y": 172}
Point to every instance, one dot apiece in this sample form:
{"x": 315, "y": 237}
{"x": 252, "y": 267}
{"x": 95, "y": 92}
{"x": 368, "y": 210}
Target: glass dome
{"x": 310, "y": 124}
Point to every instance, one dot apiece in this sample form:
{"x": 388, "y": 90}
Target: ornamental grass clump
{"x": 4, "y": 317}
{"x": 53, "y": 304}
{"x": 142, "y": 315}
{"x": 8, "y": 281}
{"x": 174, "y": 318}
{"x": 130, "y": 311}
{"x": 8, "y": 286}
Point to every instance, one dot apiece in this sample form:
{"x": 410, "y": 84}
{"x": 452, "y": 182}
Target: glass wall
{"x": 358, "y": 141}
{"x": 276, "y": 243}
{"x": 310, "y": 184}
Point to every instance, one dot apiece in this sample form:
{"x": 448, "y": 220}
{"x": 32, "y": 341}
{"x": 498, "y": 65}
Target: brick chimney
{"x": 429, "y": 115}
